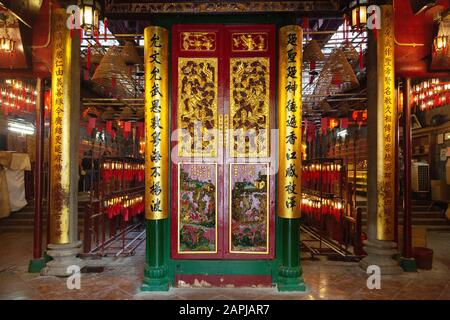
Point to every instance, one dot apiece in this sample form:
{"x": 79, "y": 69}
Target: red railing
{"x": 113, "y": 221}
{"x": 353, "y": 235}
{"x": 330, "y": 220}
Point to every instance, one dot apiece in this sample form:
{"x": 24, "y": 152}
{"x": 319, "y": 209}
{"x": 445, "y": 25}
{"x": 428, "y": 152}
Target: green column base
{"x": 47, "y": 258}
{"x": 155, "y": 279}
{"x": 408, "y": 264}
{"x": 291, "y": 284}
{"x": 36, "y": 265}
{"x": 290, "y": 279}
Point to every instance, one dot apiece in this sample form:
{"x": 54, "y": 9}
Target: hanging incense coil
{"x": 127, "y": 114}
{"x": 108, "y": 114}
{"x": 91, "y": 112}
{"x": 140, "y": 113}
{"x": 312, "y": 52}
{"x": 113, "y": 74}
{"x": 130, "y": 55}
{"x": 350, "y": 52}
{"x": 342, "y": 67}
{"x": 96, "y": 54}
{"x": 344, "y": 109}
{"x": 337, "y": 75}
{"x": 325, "y": 106}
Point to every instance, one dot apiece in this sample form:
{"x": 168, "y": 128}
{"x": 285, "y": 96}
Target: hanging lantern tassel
{"x": 361, "y": 57}
{"x": 88, "y": 58}
{"x": 140, "y": 130}
{"x": 126, "y": 129}
{"x": 96, "y": 31}
{"x": 324, "y": 125}
{"x": 358, "y": 21}
{"x": 90, "y": 126}
{"x": 345, "y": 31}
{"x": 312, "y": 69}
{"x": 24, "y": 102}
{"x": 344, "y": 123}
{"x": 105, "y": 28}
{"x": 109, "y": 127}
{"x": 306, "y": 26}
{"x": 113, "y": 84}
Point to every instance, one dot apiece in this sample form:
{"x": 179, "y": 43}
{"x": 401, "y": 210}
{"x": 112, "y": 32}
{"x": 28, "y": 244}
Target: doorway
{"x": 223, "y": 110}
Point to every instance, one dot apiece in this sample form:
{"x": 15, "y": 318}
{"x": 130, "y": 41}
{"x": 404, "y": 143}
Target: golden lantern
{"x": 441, "y": 43}
{"x": 359, "y": 12}
{"x": 89, "y": 16}
{"x": 7, "y": 44}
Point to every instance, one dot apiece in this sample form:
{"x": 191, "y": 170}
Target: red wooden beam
{"x": 407, "y": 245}
{"x": 39, "y": 170}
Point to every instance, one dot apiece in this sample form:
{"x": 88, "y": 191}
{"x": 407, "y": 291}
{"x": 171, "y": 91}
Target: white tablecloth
{"x": 16, "y": 187}
{"x": 13, "y": 173}
{"x": 4, "y": 195}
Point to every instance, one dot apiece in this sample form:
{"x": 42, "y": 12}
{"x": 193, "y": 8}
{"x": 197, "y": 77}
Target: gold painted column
{"x": 289, "y": 170}
{"x": 382, "y": 117}
{"x": 157, "y": 161}
{"x": 64, "y": 141}
{"x": 386, "y": 119}
{"x": 156, "y": 123}
{"x": 290, "y": 121}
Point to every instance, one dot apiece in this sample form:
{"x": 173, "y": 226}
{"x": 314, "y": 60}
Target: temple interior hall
{"x": 224, "y": 150}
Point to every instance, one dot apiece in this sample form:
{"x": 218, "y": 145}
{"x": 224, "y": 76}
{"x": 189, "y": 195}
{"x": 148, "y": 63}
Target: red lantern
{"x": 324, "y": 124}
{"x": 333, "y": 123}
{"x": 359, "y": 116}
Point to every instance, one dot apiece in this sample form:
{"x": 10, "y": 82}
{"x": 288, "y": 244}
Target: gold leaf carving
{"x": 249, "y": 107}
{"x": 197, "y": 107}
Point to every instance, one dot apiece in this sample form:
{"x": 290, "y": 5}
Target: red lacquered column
{"x": 38, "y": 262}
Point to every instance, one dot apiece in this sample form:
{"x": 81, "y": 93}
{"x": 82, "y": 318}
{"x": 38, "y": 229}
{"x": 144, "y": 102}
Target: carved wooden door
{"x": 223, "y": 105}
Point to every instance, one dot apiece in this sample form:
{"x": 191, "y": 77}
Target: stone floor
{"x": 123, "y": 276}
